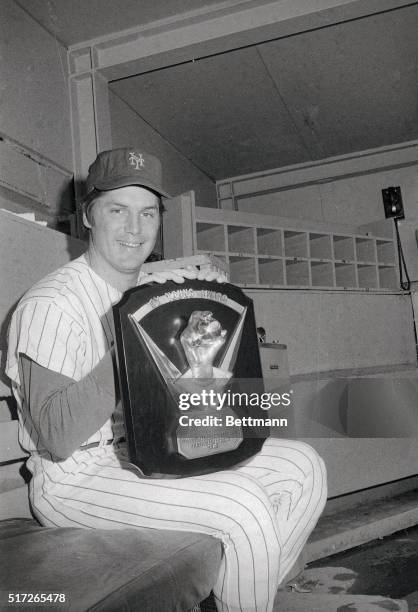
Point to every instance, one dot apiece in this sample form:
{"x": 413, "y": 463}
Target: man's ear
{"x": 86, "y": 221}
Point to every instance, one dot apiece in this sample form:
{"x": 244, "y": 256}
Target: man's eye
{"x": 149, "y": 213}
{"x": 116, "y": 210}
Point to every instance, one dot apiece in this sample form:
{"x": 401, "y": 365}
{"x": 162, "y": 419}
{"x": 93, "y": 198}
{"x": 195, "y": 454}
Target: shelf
{"x": 242, "y": 269}
{"x": 270, "y": 271}
{"x": 295, "y": 243}
{"x": 240, "y": 239}
{"x": 322, "y": 274}
{"x": 385, "y": 251}
{"x": 269, "y": 241}
{"x": 367, "y": 276}
{"x": 387, "y": 277}
{"x": 365, "y": 249}
{"x": 320, "y": 246}
{"x": 219, "y": 254}
{"x": 297, "y": 273}
{"x": 280, "y": 256}
{"x": 210, "y": 237}
{"x": 343, "y": 247}
{"x": 345, "y": 275}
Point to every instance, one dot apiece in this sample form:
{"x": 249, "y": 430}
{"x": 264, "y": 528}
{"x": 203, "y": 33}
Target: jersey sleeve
{"x": 65, "y": 413}
{"x": 45, "y": 333}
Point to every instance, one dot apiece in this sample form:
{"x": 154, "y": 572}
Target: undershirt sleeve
{"x": 65, "y": 412}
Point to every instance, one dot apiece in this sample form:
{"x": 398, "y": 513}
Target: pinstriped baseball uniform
{"x": 263, "y": 510}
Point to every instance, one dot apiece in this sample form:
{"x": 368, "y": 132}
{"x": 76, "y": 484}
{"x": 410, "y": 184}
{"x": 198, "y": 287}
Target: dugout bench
{"x": 93, "y": 569}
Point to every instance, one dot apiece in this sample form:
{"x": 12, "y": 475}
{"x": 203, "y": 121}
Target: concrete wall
{"x": 355, "y": 200}
{"x": 180, "y": 175}
{"x": 328, "y": 330}
{"x": 36, "y": 149}
{"x": 28, "y": 252}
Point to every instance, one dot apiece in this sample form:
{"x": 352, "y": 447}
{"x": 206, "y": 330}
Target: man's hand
{"x": 178, "y": 275}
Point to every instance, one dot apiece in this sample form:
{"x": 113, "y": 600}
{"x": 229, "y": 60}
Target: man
{"x": 60, "y": 361}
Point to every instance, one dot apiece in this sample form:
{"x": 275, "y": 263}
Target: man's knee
{"x": 252, "y": 513}
{"x": 304, "y": 455}
{"x": 319, "y": 477}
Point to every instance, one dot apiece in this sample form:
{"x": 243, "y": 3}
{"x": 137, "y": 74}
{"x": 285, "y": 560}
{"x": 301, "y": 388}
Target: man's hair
{"x": 90, "y": 198}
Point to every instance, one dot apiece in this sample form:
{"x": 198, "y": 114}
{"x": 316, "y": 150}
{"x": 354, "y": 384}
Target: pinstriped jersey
{"x": 64, "y": 323}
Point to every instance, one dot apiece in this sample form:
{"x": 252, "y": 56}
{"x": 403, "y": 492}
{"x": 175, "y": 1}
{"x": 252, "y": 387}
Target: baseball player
{"x": 61, "y": 364}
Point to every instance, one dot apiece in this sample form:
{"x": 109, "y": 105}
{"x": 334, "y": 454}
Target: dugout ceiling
{"x": 271, "y": 84}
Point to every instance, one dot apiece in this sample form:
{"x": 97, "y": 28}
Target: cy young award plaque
{"x": 190, "y": 375}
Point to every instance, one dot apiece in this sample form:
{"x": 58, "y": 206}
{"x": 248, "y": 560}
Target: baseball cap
{"x": 122, "y": 167}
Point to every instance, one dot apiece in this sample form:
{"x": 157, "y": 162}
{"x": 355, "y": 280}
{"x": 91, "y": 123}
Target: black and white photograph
{"x": 209, "y": 305}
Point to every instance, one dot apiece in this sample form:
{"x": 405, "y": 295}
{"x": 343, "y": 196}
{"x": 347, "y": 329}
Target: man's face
{"x": 123, "y": 228}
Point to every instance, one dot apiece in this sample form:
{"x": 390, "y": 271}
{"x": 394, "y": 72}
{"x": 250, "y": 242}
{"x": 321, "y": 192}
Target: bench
{"x": 93, "y": 569}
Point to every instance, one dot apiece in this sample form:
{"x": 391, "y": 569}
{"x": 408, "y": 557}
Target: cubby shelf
{"x": 365, "y": 249}
{"x": 270, "y": 271}
{"x": 262, "y": 254}
{"x": 269, "y": 241}
{"x": 367, "y": 276}
{"x": 210, "y": 236}
{"x": 343, "y": 247}
{"x": 385, "y": 251}
{"x": 282, "y": 257}
{"x": 295, "y": 243}
{"x": 322, "y": 273}
{"x": 345, "y": 275}
{"x": 242, "y": 270}
{"x": 297, "y": 272}
{"x": 387, "y": 277}
{"x": 240, "y": 239}
{"x": 320, "y": 246}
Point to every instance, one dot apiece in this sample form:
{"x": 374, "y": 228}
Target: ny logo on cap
{"x": 136, "y": 160}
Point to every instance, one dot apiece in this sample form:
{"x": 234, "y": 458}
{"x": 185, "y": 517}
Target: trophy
{"x": 185, "y": 353}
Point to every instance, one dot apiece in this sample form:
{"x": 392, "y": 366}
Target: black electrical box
{"x": 392, "y": 201}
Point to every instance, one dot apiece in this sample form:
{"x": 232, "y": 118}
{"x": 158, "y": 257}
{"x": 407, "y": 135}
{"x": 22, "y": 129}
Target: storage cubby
{"x": 365, "y": 249}
{"x": 367, "y": 276}
{"x": 322, "y": 274}
{"x": 242, "y": 269}
{"x": 387, "y": 277}
{"x": 240, "y": 239}
{"x": 345, "y": 275}
{"x": 320, "y": 246}
{"x": 270, "y": 271}
{"x": 343, "y": 247}
{"x": 210, "y": 237}
{"x": 265, "y": 250}
{"x": 385, "y": 251}
{"x": 295, "y": 243}
{"x": 297, "y": 272}
{"x": 269, "y": 241}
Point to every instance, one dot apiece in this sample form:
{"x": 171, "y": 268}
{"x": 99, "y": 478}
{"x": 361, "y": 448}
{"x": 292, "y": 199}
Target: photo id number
{"x": 22, "y": 598}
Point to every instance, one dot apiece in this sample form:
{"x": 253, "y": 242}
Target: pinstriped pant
{"x": 263, "y": 511}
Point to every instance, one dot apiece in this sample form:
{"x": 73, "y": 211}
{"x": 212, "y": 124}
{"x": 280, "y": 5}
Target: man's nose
{"x": 134, "y": 224}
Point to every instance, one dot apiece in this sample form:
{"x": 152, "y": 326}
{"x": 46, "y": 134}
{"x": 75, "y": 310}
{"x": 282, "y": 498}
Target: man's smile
{"x": 132, "y": 245}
